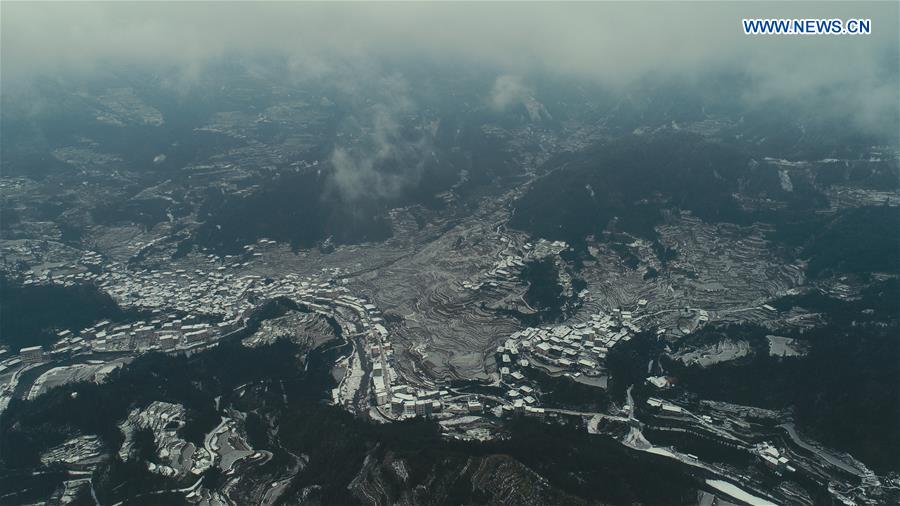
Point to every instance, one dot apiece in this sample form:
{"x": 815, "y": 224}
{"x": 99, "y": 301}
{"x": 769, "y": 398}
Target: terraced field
{"x": 442, "y": 327}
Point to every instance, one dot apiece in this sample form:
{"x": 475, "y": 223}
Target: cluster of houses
{"x": 773, "y": 458}
{"x": 216, "y": 303}
{"x": 221, "y": 299}
{"x": 522, "y": 397}
{"x": 407, "y": 402}
{"x": 378, "y": 347}
{"x": 580, "y": 348}
{"x": 165, "y": 332}
{"x": 505, "y": 270}
{"x": 168, "y": 332}
{"x": 91, "y": 261}
{"x": 511, "y": 263}
{"x": 664, "y": 407}
{"x": 577, "y": 349}
{"x": 215, "y": 293}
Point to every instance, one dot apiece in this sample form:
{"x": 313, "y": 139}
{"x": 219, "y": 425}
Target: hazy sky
{"x": 609, "y": 43}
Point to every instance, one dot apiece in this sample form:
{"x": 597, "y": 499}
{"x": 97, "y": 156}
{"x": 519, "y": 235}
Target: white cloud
{"x": 613, "y": 44}
{"x": 508, "y": 90}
